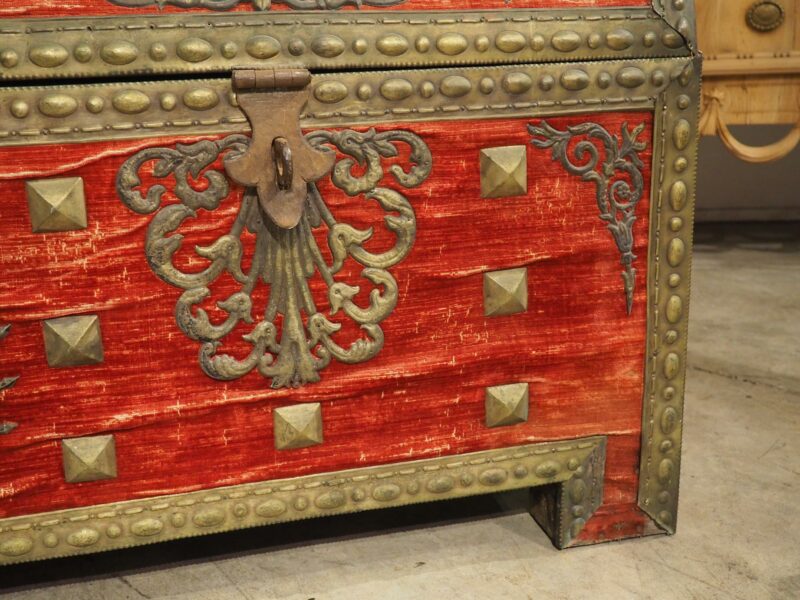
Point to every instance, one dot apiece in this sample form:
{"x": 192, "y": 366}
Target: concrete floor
{"x": 739, "y": 526}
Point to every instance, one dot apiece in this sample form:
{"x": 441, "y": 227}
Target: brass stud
{"x": 360, "y": 46}
{"x": 73, "y": 341}
{"x": 56, "y": 204}
{"x": 229, "y": 49}
{"x": 194, "y": 50}
{"x": 89, "y": 458}
{"x": 9, "y": 58}
{"x": 486, "y": 85}
{"x": 264, "y": 46}
{"x": 158, "y": 51}
{"x": 507, "y": 404}
{"x": 20, "y": 109}
{"x": 119, "y": 53}
{"x": 298, "y": 426}
{"x": 83, "y": 53}
{"x": 504, "y": 171}
{"x": 505, "y": 292}
{"x": 95, "y": 104}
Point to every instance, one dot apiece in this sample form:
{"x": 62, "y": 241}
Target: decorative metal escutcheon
{"x": 294, "y": 338}
{"x": 279, "y": 163}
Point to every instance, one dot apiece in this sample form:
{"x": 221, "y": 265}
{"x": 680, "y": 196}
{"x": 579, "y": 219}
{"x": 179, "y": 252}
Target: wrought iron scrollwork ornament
{"x": 257, "y": 4}
{"x": 285, "y": 348}
{"x": 618, "y": 178}
{"x": 6, "y": 383}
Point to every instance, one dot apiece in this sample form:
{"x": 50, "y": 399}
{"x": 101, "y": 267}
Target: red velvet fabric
{"x": 57, "y": 8}
{"x": 423, "y": 396}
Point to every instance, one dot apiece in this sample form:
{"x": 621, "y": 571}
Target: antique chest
{"x": 268, "y": 261}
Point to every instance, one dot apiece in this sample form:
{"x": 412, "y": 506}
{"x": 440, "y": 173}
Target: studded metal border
{"x": 69, "y": 48}
{"x": 672, "y": 214}
{"x": 137, "y": 522}
{"x": 83, "y": 113}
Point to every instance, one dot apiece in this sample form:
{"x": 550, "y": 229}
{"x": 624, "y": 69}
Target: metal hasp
{"x": 279, "y": 162}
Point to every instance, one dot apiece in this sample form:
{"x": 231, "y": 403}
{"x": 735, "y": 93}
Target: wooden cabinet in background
{"x": 751, "y": 70}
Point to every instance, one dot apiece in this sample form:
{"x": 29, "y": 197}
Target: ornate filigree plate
{"x": 286, "y": 347}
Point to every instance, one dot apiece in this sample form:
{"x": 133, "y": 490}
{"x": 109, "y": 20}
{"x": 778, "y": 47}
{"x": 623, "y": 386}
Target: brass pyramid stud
{"x": 298, "y": 426}
{"x": 505, "y": 292}
{"x": 73, "y": 341}
{"x": 504, "y": 171}
{"x": 56, "y": 204}
{"x": 89, "y": 458}
{"x": 506, "y": 404}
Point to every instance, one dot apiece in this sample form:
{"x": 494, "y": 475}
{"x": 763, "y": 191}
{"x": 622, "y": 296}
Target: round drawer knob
{"x": 765, "y": 15}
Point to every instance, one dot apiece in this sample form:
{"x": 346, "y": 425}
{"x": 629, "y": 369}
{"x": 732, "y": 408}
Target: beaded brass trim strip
{"x": 123, "y": 524}
{"x": 675, "y": 158}
{"x": 85, "y": 47}
{"x": 109, "y": 111}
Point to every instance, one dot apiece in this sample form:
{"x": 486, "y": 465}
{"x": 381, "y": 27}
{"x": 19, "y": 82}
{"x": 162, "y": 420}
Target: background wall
{"x": 729, "y": 189}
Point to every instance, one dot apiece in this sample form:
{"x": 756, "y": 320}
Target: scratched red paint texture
{"x": 423, "y": 396}
{"x": 50, "y": 8}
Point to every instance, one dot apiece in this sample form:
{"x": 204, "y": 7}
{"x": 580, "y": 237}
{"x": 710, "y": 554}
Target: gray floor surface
{"x": 739, "y": 525}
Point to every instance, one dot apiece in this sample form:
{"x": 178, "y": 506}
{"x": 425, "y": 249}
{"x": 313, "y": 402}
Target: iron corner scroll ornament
{"x": 257, "y": 4}
{"x": 617, "y": 175}
{"x": 6, "y": 383}
{"x": 285, "y": 257}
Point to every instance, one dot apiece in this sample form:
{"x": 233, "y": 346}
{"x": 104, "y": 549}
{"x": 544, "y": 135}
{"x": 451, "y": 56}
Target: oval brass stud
{"x": 678, "y": 195}
{"x": 665, "y": 469}
{"x": 271, "y": 509}
{"x": 131, "y": 102}
{"x": 672, "y": 365}
{"x": 455, "y": 86}
{"x": 510, "y": 41}
{"x": 676, "y": 250}
{"x": 57, "y": 105}
{"x": 330, "y": 92}
{"x": 674, "y": 309}
{"x": 451, "y": 44}
{"x": 262, "y": 46}
{"x": 327, "y": 46}
{"x": 396, "y": 89}
{"x": 86, "y": 536}
{"x": 565, "y": 41}
{"x": 517, "y": 83}
{"x": 392, "y": 44}
{"x": 16, "y": 546}
{"x": 630, "y": 77}
{"x": 201, "y": 99}
{"x": 574, "y": 79}
{"x": 681, "y": 134}
{"x": 48, "y": 55}
{"x": 619, "y": 39}
{"x": 119, "y": 53}
{"x": 194, "y": 50}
